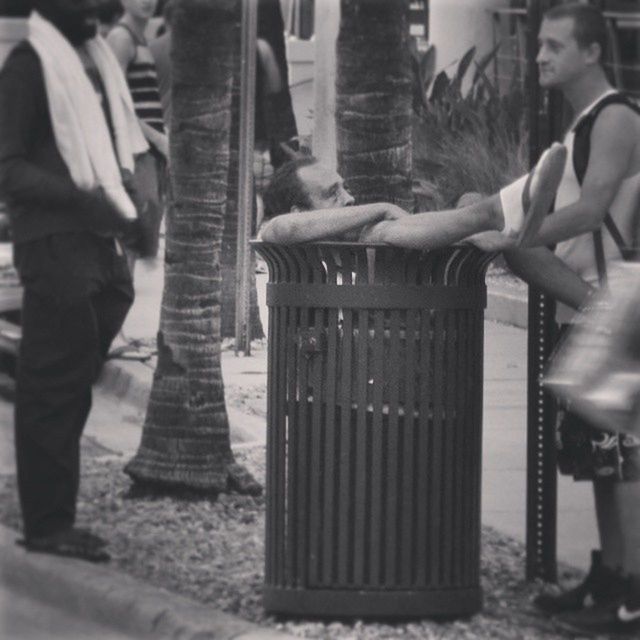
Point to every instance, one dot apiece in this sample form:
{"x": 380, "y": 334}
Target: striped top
{"x": 142, "y": 79}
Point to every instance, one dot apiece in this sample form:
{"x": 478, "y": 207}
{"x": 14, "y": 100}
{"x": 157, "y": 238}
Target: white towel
{"x": 79, "y": 125}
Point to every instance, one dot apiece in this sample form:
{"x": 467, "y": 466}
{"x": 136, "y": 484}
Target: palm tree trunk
{"x": 373, "y": 101}
{"x": 185, "y": 439}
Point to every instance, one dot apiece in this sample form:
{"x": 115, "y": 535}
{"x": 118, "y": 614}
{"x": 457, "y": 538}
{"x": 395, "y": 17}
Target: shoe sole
{"x": 65, "y": 550}
{"x": 549, "y": 178}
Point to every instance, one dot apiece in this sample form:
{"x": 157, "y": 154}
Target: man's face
{"x": 75, "y": 19}
{"x": 325, "y": 188}
{"x": 560, "y": 58}
{"x": 142, "y": 9}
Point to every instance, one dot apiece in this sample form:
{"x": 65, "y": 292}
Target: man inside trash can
{"x": 306, "y": 201}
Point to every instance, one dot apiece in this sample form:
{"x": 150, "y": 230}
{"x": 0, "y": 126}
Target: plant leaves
{"x": 440, "y": 87}
{"x": 463, "y": 66}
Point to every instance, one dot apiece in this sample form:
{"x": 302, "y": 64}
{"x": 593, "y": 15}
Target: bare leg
{"x": 628, "y": 508}
{"x": 541, "y": 268}
{"x": 481, "y": 222}
{"x": 609, "y": 525}
{"x": 433, "y": 229}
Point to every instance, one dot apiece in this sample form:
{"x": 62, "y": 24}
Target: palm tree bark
{"x": 185, "y": 439}
{"x": 373, "y": 101}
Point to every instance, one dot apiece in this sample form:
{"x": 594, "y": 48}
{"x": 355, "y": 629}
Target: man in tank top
{"x": 599, "y": 192}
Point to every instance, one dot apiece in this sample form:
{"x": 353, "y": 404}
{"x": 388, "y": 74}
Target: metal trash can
{"x": 374, "y": 423}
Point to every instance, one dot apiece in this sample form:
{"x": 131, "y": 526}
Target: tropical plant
{"x": 185, "y": 438}
{"x": 467, "y": 137}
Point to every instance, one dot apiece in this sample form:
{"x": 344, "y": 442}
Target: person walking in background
{"x": 108, "y": 12}
{"x": 161, "y": 51}
{"x": 275, "y": 120}
{"x": 68, "y": 139}
{"x": 128, "y": 41}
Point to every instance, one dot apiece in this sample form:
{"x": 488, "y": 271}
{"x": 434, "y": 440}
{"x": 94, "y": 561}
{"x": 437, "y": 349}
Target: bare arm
{"x": 541, "y": 268}
{"x": 307, "y": 226}
{"x": 159, "y": 140}
{"x": 610, "y": 162}
{"x": 125, "y": 50}
{"x": 122, "y": 46}
{"x": 269, "y": 64}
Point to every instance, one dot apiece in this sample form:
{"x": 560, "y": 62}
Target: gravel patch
{"x": 212, "y": 551}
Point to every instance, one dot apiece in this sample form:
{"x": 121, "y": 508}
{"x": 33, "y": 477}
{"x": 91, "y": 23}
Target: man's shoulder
{"x": 617, "y": 108}
{"x": 618, "y": 117}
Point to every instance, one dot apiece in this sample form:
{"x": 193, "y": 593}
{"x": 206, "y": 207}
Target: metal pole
{"x": 245, "y": 173}
{"x": 541, "y": 449}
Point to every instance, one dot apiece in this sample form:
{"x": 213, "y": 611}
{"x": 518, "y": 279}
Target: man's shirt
{"x": 35, "y": 182}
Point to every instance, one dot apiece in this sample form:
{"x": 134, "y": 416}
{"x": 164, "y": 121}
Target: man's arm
{"x": 122, "y": 45}
{"x": 324, "y": 224}
{"x": 613, "y": 140}
{"x": 124, "y": 49}
{"x": 159, "y": 140}
{"x": 541, "y": 268}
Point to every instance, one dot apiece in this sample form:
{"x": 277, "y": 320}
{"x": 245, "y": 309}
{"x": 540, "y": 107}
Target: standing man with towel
{"x": 68, "y": 137}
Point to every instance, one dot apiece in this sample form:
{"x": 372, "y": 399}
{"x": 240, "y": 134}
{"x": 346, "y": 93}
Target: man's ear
{"x": 594, "y": 53}
{"x": 295, "y": 209}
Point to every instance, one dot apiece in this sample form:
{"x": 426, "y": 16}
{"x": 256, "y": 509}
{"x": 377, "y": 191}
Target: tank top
{"x": 142, "y": 79}
{"x": 579, "y": 252}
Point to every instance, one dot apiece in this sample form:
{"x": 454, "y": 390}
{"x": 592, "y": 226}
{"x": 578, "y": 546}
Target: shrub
{"x": 471, "y": 141}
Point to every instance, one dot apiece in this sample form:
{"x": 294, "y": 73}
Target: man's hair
{"x": 286, "y": 190}
{"x": 167, "y": 12}
{"x": 109, "y": 11}
{"x": 589, "y": 25}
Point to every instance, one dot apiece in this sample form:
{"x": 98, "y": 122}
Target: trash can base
{"x": 373, "y": 604}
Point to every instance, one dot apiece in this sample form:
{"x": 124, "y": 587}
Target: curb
{"x": 117, "y": 600}
{"x": 509, "y": 306}
{"x": 129, "y": 381}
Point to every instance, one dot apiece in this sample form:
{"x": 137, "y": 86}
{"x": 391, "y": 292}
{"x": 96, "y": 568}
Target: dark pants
{"x": 77, "y": 292}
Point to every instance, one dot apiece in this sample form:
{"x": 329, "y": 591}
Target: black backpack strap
{"x": 601, "y": 264}
{"x": 582, "y": 130}
{"x": 581, "y": 151}
{"x": 613, "y": 230}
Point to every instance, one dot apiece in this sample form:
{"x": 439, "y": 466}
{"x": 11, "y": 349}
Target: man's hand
{"x": 392, "y": 211}
{"x": 372, "y": 233}
{"x": 492, "y": 241}
{"x": 133, "y": 192}
{"x": 139, "y": 237}
{"x": 101, "y": 214}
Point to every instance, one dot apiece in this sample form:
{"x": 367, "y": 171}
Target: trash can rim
{"x": 367, "y": 245}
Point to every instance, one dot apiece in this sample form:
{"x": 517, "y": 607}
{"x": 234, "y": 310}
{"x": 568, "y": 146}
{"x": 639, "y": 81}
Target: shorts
{"x": 587, "y": 453}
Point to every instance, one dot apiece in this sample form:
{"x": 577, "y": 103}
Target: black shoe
{"x": 621, "y": 620}
{"x": 601, "y": 587}
{"x": 601, "y": 621}
{"x": 70, "y": 543}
